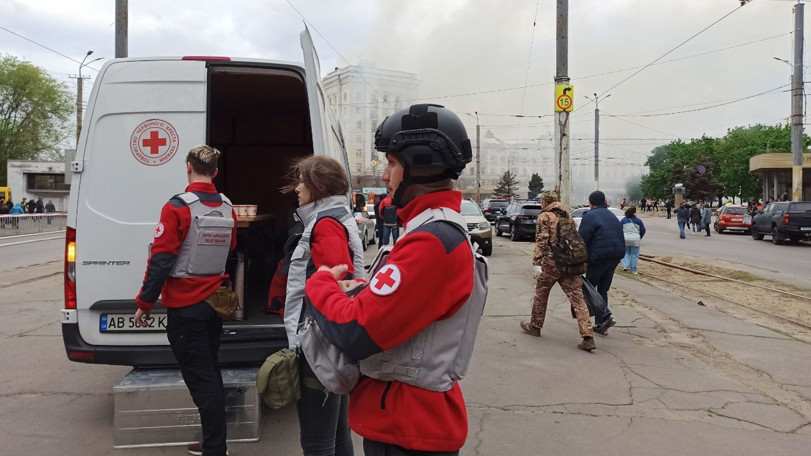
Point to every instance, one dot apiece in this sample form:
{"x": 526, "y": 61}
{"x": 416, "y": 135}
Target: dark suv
{"x": 518, "y": 220}
{"x": 784, "y": 220}
{"x": 492, "y": 208}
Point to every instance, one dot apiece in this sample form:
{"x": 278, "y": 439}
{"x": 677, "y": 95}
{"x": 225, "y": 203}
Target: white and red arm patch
{"x": 159, "y": 230}
{"x": 386, "y": 281}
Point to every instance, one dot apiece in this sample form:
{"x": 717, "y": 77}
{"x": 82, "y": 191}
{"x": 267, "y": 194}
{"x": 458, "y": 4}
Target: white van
{"x": 143, "y": 116}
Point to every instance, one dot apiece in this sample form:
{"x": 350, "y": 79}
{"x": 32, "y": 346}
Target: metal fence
{"x": 11, "y": 225}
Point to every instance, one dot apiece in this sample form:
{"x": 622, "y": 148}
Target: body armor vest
{"x": 301, "y": 264}
{"x": 205, "y": 249}
{"x": 439, "y": 355}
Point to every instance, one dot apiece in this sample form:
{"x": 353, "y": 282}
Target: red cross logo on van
{"x": 154, "y": 142}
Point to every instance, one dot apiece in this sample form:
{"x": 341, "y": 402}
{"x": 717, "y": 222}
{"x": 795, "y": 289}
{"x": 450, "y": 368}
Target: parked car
{"x": 366, "y": 228}
{"x": 519, "y": 220}
{"x": 492, "y": 208}
{"x": 784, "y": 220}
{"x": 478, "y": 227}
{"x": 732, "y": 218}
{"x": 577, "y": 214}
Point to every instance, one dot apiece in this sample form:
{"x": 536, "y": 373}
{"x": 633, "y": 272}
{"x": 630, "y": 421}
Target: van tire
{"x": 756, "y": 234}
{"x": 776, "y": 238}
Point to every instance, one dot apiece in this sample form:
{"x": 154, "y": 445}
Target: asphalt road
{"x": 25, "y": 251}
{"x": 789, "y": 263}
{"x": 668, "y": 370}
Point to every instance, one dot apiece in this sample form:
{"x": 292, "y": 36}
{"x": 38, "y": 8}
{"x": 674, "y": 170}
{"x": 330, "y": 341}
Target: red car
{"x": 733, "y": 218}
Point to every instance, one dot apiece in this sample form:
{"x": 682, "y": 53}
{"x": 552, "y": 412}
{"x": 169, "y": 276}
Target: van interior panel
{"x": 259, "y": 120}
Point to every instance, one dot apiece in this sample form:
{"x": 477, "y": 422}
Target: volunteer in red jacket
{"x": 196, "y": 232}
{"x": 428, "y": 277}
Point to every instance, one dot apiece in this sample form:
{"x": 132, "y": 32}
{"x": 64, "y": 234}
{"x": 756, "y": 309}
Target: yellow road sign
{"x": 564, "y": 98}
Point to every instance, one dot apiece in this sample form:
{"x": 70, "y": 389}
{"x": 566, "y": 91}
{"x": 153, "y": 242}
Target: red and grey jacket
{"x": 172, "y": 229}
{"x": 434, "y": 280}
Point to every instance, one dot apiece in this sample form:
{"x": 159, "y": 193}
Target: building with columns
{"x": 362, "y": 96}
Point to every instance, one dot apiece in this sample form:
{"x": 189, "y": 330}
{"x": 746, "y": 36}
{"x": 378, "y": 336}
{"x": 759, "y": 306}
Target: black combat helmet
{"x": 427, "y": 136}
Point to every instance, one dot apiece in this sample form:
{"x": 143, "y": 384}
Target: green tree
{"x": 34, "y": 112}
{"x": 535, "y": 186}
{"x": 507, "y": 186}
{"x": 702, "y": 185}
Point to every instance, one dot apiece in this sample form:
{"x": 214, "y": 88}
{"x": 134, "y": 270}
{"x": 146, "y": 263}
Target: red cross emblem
{"x": 154, "y": 142}
{"x": 386, "y": 281}
{"x": 159, "y": 230}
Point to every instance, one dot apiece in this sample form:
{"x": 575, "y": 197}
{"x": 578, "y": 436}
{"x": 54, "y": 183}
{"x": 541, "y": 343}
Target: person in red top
{"x": 427, "y": 278}
{"x": 329, "y": 237}
{"x": 388, "y": 212}
{"x": 177, "y": 275}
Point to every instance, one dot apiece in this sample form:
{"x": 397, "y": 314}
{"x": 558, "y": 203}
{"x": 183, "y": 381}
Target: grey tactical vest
{"x": 301, "y": 266}
{"x": 439, "y": 355}
{"x": 205, "y": 250}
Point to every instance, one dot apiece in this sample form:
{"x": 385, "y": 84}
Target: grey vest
{"x": 439, "y": 355}
{"x": 204, "y": 252}
{"x": 301, "y": 262}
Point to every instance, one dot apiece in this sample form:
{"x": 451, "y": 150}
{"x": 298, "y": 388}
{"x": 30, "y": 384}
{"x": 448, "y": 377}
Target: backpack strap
{"x": 188, "y": 198}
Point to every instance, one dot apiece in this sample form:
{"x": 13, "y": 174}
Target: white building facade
{"x": 361, "y": 97}
{"x": 38, "y": 179}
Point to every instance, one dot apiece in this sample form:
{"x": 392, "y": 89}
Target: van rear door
{"x": 146, "y": 114}
{"x": 315, "y": 93}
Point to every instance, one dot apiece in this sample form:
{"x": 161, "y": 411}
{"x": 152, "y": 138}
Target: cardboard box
{"x": 153, "y": 408}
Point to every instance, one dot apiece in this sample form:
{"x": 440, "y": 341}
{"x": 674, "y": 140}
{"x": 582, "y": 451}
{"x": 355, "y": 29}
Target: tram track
{"x": 805, "y": 325}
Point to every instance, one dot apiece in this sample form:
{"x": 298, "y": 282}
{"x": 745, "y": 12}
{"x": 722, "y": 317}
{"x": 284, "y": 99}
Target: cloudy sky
{"x": 493, "y": 57}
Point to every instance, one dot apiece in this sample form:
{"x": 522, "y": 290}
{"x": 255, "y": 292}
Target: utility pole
{"x": 596, "y": 101}
{"x": 797, "y": 115}
{"x": 121, "y": 29}
{"x": 562, "y": 161}
{"x": 79, "y": 94}
{"x": 478, "y": 162}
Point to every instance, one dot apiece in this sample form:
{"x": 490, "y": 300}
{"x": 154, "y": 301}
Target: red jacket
{"x": 394, "y": 412}
{"x": 169, "y": 235}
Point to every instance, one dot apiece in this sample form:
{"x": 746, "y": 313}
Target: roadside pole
{"x": 797, "y": 114}
{"x": 121, "y": 28}
{"x": 562, "y": 89}
{"x": 478, "y": 162}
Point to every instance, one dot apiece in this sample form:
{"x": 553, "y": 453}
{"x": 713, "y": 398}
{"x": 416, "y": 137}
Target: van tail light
{"x": 521, "y": 217}
{"x": 785, "y": 219}
{"x": 70, "y": 268}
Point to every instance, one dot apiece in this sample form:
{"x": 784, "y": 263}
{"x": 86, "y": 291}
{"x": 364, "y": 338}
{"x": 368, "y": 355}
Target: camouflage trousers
{"x": 572, "y": 286}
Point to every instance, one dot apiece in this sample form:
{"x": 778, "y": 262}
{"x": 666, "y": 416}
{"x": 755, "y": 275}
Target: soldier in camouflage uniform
{"x": 550, "y": 275}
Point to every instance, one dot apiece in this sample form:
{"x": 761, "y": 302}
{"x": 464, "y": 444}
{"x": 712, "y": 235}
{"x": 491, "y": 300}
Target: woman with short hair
{"x": 634, "y": 231}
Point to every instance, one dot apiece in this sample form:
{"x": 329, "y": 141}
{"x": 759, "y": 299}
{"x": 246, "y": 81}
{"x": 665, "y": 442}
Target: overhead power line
{"x": 529, "y": 61}
{"x": 46, "y": 47}
{"x": 737, "y": 100}
{"x": 668, "y": 52}
{"x": 337, "y": 52}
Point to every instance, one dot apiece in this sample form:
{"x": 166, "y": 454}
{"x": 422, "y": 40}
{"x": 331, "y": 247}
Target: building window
{"x": 373, "y": 114}
{"x": 357, "y": 97}
{"x": 358, "y": 139}
{"x": 357, "y": 109}
{"x": 46, "y": 182}
{"x": 344, "y": 97}
{"x": 359, "y": 167}
{"x": 359, "y": 125}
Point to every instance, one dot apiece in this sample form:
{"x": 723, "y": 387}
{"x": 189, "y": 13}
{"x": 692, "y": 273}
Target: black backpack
{"x": 569, "y": 250}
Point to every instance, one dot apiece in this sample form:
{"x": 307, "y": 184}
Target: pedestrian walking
{"x": 50, "y": 208}
{"x": 622, "y": 204}
{"x": 330, "y": 238}
{"x": 184, "y": 273}
{"x": 427, "y": 279}
{"x": 553, "y": 215}
{"x": 391, "y": 229}
{"x": 31, "y": 206}
{"x": 706, "y": 218}
{"x": 643, "y": 204}
{"x": 633, "y": 230}
{"x": 605, "y": 242}
{"x": 4, "y": 210}
{"x": 668, "y": 207}
{"x": 379, "y": 219}
{"x": 682, "y": 218}
{"x": 695, "y": 218}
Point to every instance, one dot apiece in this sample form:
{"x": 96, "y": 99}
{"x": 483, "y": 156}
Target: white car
{"x": 577, "y": 214}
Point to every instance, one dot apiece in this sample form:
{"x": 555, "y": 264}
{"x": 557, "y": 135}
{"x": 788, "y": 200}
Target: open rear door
{"x": 315, "y": 95}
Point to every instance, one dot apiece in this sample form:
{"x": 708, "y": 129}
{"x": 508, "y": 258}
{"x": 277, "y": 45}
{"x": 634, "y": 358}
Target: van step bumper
{"x": 237, "y": 353}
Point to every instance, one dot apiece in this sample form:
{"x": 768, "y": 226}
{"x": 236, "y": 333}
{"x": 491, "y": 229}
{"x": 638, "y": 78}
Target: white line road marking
{"x": 32, "y": 234}
{"x": 30, "y": 241}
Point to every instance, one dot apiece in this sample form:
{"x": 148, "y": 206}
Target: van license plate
{"x": 126, "y": 323}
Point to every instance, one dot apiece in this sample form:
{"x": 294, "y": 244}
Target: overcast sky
{"x": 473, "y": 55}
